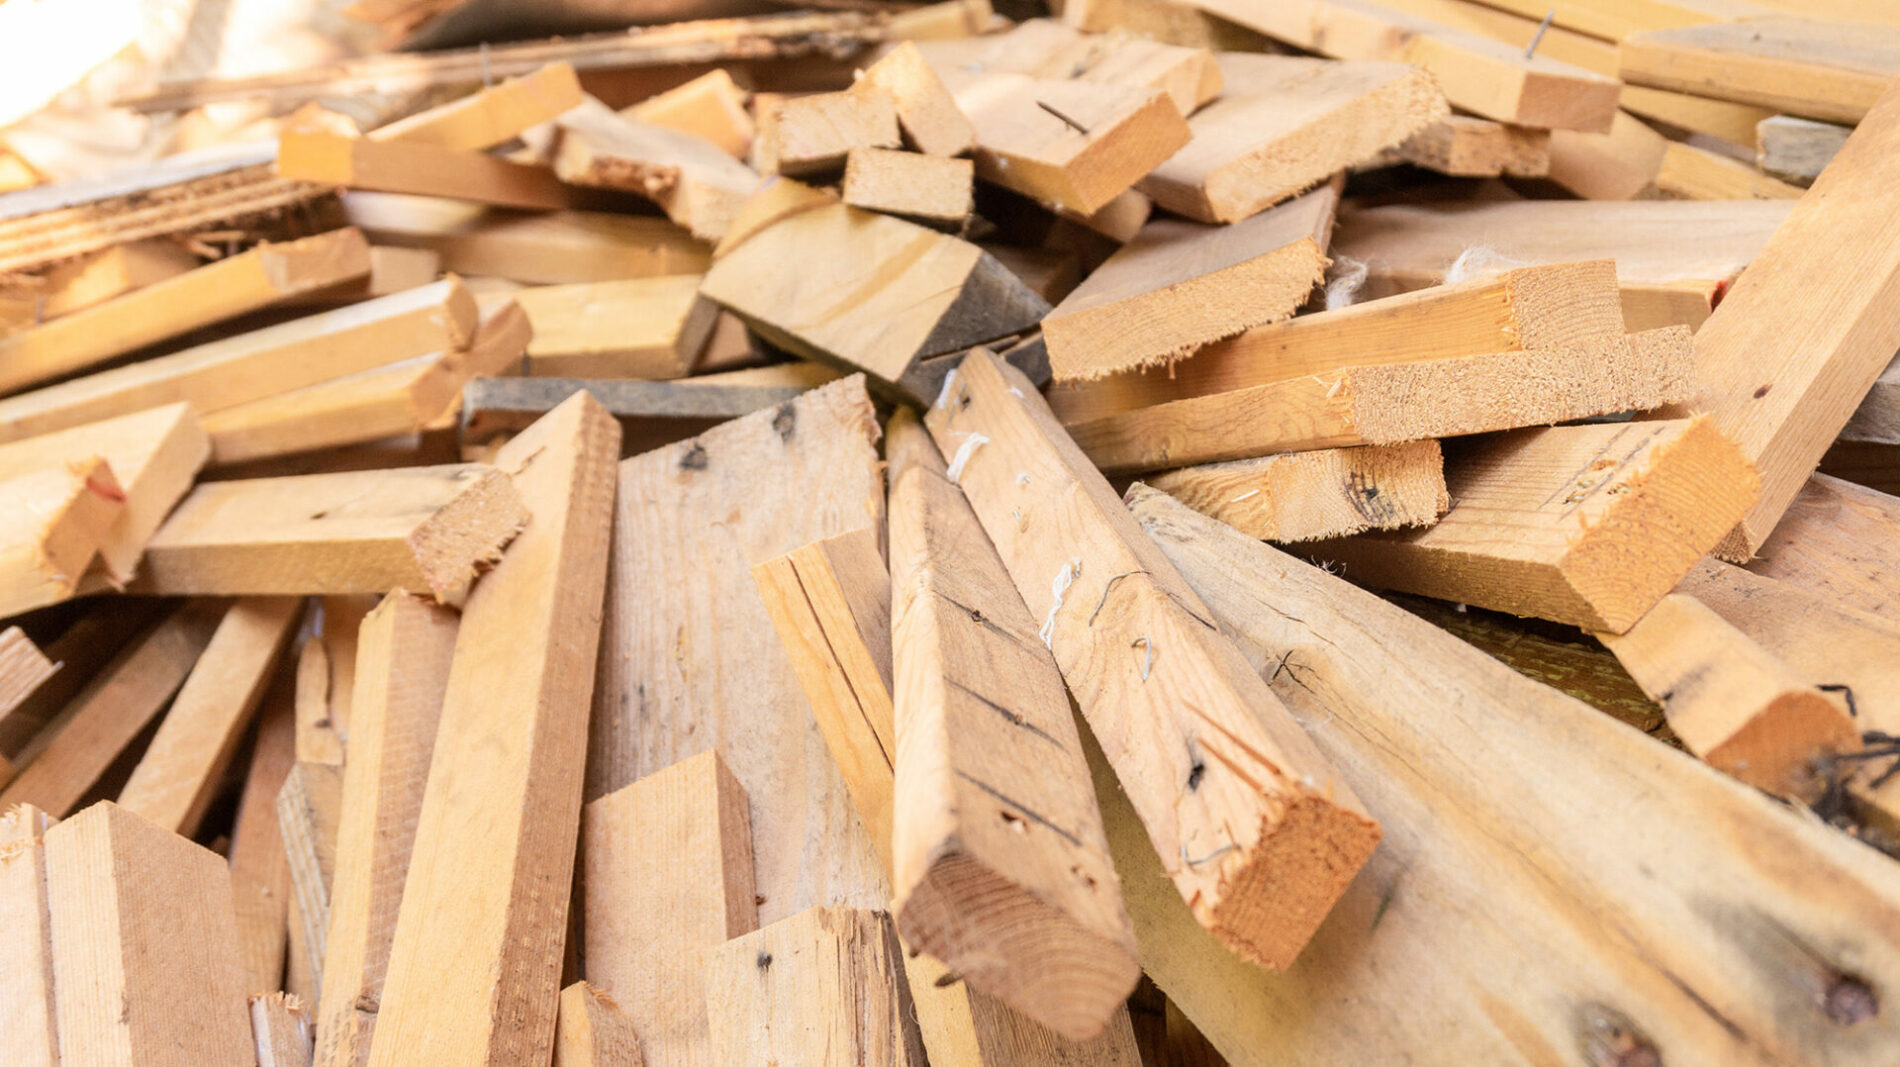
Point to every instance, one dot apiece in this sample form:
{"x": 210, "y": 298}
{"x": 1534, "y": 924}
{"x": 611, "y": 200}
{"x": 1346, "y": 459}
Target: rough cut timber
{"x": 474, "y": 968}
{"x": 1043, "y": 48}
{"x": 1527, "y": 308}
{"x": 81, "y": 651}
{"x": 1838, "y": 540}
{"x": 804, "y": 135}
{"x": 1398, "y": 402}
{"x": 770, "y": 482}
{"x": 90, "y": 279}
{"x": 823, "y": 986}
{"x": 219, "y": 374}
{"x": 674, "y": 410}
{"x": 1001, "y": 869}
{"x": 281, "y": 1028}
{"x": 1589, "y": 525}
{"x": 426, "y": 529}
{"x": 636, "y": 328}
{"x": 1330, "y": 492}
{"x": 927, "y": 115}
{"x": 651, "y": 929}
{"x": 491, "y": 116}
{"x": 592, "y": 1031}
{"x": 1796, "y": 150}
{"x": 874, "y": 293}
{"x": 538, "y": 248}
{"x": 693, "y": 180}
{"x": 319, "y": 155}
{"x": 1466, "y": 146}
{"x": 1179, "y": 285}
{"x": 1807, "y": 67}
{"x": 1162, "y": 20}
{"x": 391, "y": 270}
{"x": 23, "y": 667}
{"x": 307, "y": 814}
{"x": 183, "y": 768}
{"x": 212, "y": 293}
{"x": 146, "y": 966}
{"x": 260, "y": 868}
{"x": 29, "y": 1036}
{"x": 1732, "y": 703}
{"x": 54, "y": 523}
{"x": 1798, "y": 341}
{"x": 1512, "y": 812}
{"x": 710, "y": 106}
{"x": 930, "y": 189}
{"x": 1256, "y": 832}
{"x": 1284, "y": 124}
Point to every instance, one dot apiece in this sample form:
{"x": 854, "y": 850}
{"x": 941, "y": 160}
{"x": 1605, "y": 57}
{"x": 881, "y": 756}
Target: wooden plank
{"x": 29, "y": 1035}
{"x": 1781, "y": 370}
{"x": 1331, "y": 492}
{"x": 880, "y": 295}
{"x": 180, "y": 773}
{"x": 492, "y": 115}
{"x": 213, "y": 293}
{"x": 82, "y": 651}
{"x": 693, "y": 180}
{"x": 1231, "y": 792}
{"x": 772, "y": 481}
{"x": 810, "y": 135}
{"x": 219, "y": 374}
{"x": 927, "y": 115}
{"x": 474, "y": 976}
{"x": 1696, "y": 173}
{"x": 593, "y": 1032}
{"x": 1837, "y": 539}
{"x": 1001, "y": 871}
{"x": 930, "y": 189}
{"x": 776, "y": 201}
{"x": 143, "y": 977}
{"x": 1796, "y": 150}
{"x": 391, "y": 270}
{"x": 1180, "y": 285}
{"x": 1398, "y": 402}
{"x": 87, "y": 280}
{"x": 281, "y": 1029}
{"x": 1807, "y": 67}
{"x": 494, "y": 405}
{"x": 825, "y": 985}
{"x": 429, "y": 529}
{"x": 312, "y": 154}
{"x": 307, "y": 816}
{"x": 23, "y": 668}
{"x": 694, "y": 812}
{"x": 710, "y": 106}
{"x": 636, "y": 328}
{"x": 1565, "y": 523}
{"x": 1285, "y": 124}
{"x": 260, "y": 869}
{"x": 1693, "y": 947}
{"x": 1046, "y": 49}
{"x": 55, "y": 522}
{"x": 1466, "y": 146}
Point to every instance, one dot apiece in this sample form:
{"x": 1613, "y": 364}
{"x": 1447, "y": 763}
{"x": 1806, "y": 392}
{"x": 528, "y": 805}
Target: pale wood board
{"x": 281, "y": 1029}
{"x": 29, "y": 1035}
{"x": 1332, "y": 492}
{"x": 650, "y": 328}
{"x": 311, "y": 154}
{"x": 55, "y": 521}
{"x": 492, "y": 115}
{"x": 23, "y": 668}
{"x": 694, "y": 181}
{"x": 711, "y": 106}
{"x": 1799, "y": 66}
{"x": 307, "y": 816}
{"x": 260, "y": 869}
{"x": 1838, "y": 540}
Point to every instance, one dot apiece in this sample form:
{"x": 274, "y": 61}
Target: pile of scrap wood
{"x": 1147, "y": 533}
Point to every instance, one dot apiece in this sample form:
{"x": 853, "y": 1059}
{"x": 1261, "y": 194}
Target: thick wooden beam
{"x": 1256, "y": 832}
{"x": 1330, "y": 492}
{"x": 637, "y": 328}
{"x": 56, "y": 521}
{"x": 29, "y": 1034}
{"x": 1838, "y": 540}
{"x": 593, "y": 1032}
{"x": 492, "y": 115}
{"x": 1809, "y": 67}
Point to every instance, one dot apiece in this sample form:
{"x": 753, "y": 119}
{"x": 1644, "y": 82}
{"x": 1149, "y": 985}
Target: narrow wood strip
{"x": 29, "y": 1035}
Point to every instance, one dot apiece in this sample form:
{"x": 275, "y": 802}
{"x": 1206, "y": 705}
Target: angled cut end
{"x": 1288, "y": 882}
{"x": 466, "y": 537}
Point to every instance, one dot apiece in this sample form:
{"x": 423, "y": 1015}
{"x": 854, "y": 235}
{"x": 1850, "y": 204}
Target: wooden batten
{"x": 929, "y": 189}
{"x": 1837, "y": 540}
{"x": 805, "y": 135}
{"x": 710, "y": 106}
{"x": 24, "y": 667}
{"x": 307, "y": 816}
{"x": 653, "y": 328}
{"x": 260, "y": 868}
{"x": 592, "y": 1031}
{"x": 1466, "y": 146}
{"x": 927, "y": 115}
{"x": 81, "y": 652}
{"x": 492, "y": 115}
{"x": 1810, "y": 67}
{"x": 675, "y": 410}
{"x": 399, "y": 166}
{"x": 1330, "y": 492}
{"x": 88, "y": 280}
{"x": 1796, "y": 150}
{"x": 29, "y": 1034}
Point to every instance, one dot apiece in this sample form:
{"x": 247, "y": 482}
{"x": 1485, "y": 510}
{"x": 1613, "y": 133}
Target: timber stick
{"x": 55, "y": 521}
{"x": 1467, "y": 146}
{"x": 1566, "y": 812}
{"x": 1255, "y": 830}
{"x": 927, "y": 115}
{"x": 1162, "y": 20}
{"x": 491, "y": 116}
{"x": 318, "y": 155}
{"x": 1398, "y": 402}
{"x": 1002, "y": 871}
{"x": 1588, "y": 525}
{"x": 930, "y": 189}
{"x": 1044, "y": 48}
{"x": 391, "y": 270}
{"x": 281, "y": 1029}
{"x": 23, "y": 668}
{"x": 693, "y": 813}
{"x": 1838, "y": 540}
{"x": 493, "y": 405}
{"x": 212, "y": 293}
{"x": 1180, "y": 285}
{"x": 825, "y": 985}
{"x": 1330, "y": 492}
{"x": 428, "y": 529}
{"x": 180, "y": 773}
{"x": 652, "y": 328}
{"x": 67, "y": 758}
{"x": 693, "y": 180}
{"x": 592, "y": 1031}
{"x": 1812, "y": 68}
{"x": 475, "y": 978}
{"x": 307, "y": 816}
{"x": 710, "y": 106}
{"x": 811, "y": 135}
{"x": 90, "y": 279}
{"x": 29, "y": 1035}
{"x": 81, "y": 652}
{"x": 260, "y": 868}
{"x": 146, "y": 961}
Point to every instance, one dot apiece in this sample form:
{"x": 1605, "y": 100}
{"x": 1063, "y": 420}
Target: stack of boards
{"x": 1265, "y": 533}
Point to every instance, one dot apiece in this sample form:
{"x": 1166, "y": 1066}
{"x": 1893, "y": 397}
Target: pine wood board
{"x": 1469, "y": 147}
{"x": 492, "y": 115}
{"x": 85, "y": 281}
{"x": 1877, "y": 420}
{"x": 1796, "y": 150}
{"x": 927, "y": 115}
{"x": 1307, "y": 496}
{"x": 24, "y": 667}
{"x": 1837, "y": 539}
{"x": 417, "y": 169}
{"x": 928, "y": 189}
{"x": 281, "y": 1029}
{"x": 650, "y": 328}
{"x": 692, "y": 405}
{"x": 29, "y": 1035}
{"x": 694, "y": 181}
{"x": 307, "y": 812}
{"x": 1046, "y": 48}
{"x": 260, "y": 868}
{"x": 1806, "y": 67}
{"x": 810, "y": 135}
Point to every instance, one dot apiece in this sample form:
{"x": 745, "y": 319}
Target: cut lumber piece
{"x": 1812, "y": 68}
{"x": 260, "y": 868}
{"x": 55, "y": 521}
{"x": 930, "y": 189}
{"x": 212, "y": 293}
{"x": 23, "y": 668}
{"x": 1477, "y": 74}
{"x": 636, "y": 328}
{"x": 1256, "y": 832}
{"x": 1001, "y": 868}
{"x": 1781, "y": 363}
{"x": 403, "y": 397}
{"x": 1838, "y": 540}
{"x": 1466, "y": 146}
{"x": 81, "y": 652}
{"x": 693, "y": 812}
{"x": 29, "y": 1035}
{"x": 1732, "y": 703}
{"x": 1877, "y": 420}
{"x": 1070, "y": 145}
{"x": 775, "y": 201}
{"x": 1052, "y": 273}
{"x": 1651, "y": 305}
{"x": 1796, "y": 150}
{"x": 802, "y": 135}
{"x": 474, "y": 976}
{"x": 1559, "y": 305}
{"x": 1588, "y": 525}
{"x": 91, "y": 279}
{"x": 1284, "y": 124}
{"x": 1044, "y": 48}
{"x": 491, "y": 116}
{"x": 307, "y": 815}
{"x": 771, "y": 481}
{"x": 541, "y": 248}
{"x": 875, "y": 293}
{"x": 1633, "y": 161}
{"x": 823, "y": 986}
{"x": 693, "y": 180}
{"x": 1331, "y": 492}
{"x": 391, "y": 270}
{"x": 592, "y": 1031}
{"x": 403, "y": 659}
{"x": 711, "y": 106}
{"x": 180, "y": 773}
{"x": 311, "y": 154}
{"x": 1180, "y": 285}
{"x": 498, "y": 405}
{"x": 220, "y": 374}
{"x": 1397, "y": 402}
{"x": 281, "y": 1029}
{"x": 1566, "y": 813}
{"x": 1695, "y": 173}
{"x": 146, "y": 963}
{"x": 1163, "y": 20}
{"x": 429, "y": 529}
{"x": 927, "y": 115}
